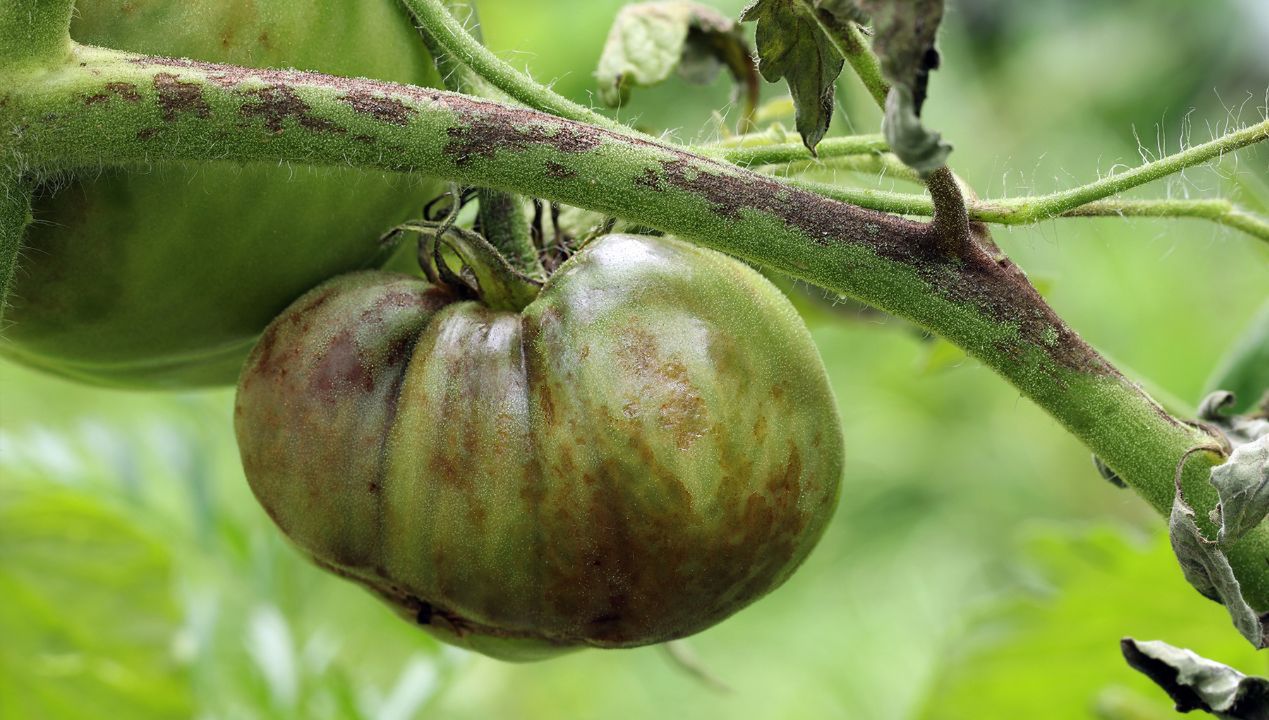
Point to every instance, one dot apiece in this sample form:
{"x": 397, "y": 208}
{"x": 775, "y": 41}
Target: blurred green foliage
{"x": 977, "y": 567}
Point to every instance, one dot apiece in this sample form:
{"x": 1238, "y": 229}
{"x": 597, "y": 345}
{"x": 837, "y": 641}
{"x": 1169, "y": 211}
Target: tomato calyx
{"x": 484, "y": 274}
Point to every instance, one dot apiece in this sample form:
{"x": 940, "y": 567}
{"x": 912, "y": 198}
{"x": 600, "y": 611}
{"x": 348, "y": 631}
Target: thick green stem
{"x": 34, "y": 33}
{"x": 15, "y": 215}
{"x": 162, "y": 109}
{"x": 502, "y": 220}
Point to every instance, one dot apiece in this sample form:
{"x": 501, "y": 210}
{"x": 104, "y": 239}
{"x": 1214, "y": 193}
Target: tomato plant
{"x": 565, "y": 441}
{"x": 163, "y": 274}
{"x": 648, "y": 446}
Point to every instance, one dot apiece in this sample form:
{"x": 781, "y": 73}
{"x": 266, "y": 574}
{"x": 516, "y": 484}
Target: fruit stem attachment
{"x": 502, "y": 218}
{"x": 34, "y": 33}
{"x": 486, "y": 272}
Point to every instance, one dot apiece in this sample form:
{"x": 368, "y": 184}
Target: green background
{"x": 977, "y": 567}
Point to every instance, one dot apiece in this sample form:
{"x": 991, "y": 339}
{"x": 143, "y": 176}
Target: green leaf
{"x": 1245, "y": 369}
{"x": 1242, "y": 482}
{"x": 87, "y": 617}
{"x": 1207, "y": 569}
{"x": 1196, "y": 683}
{"x": 794, "y": 47}
{"x": 1055, "y": 636}
{"x": 650, "y": 40}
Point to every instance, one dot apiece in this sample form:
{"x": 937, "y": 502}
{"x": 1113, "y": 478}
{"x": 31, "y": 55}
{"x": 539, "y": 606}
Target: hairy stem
{"x": 15, "y": 215}
{"x": 1055, "y": 204}
{"x": 754, "y": 154}
{"x": 951, "y": 221}
{"x": 187, "y": 110}
{"x": 1004, "y": 211}
{"x": 853, "y": 45}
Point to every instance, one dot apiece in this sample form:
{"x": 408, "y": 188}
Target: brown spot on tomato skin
{"x": 341, "y": 368}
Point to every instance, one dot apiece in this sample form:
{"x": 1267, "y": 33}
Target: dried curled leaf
{"x": 649, "y": 41}
{"x": 918, "y": 148}
{"x": 903, "y": 38}
{"x": 1196, "y": 683}
{"x": 1242, "y": 482}
{"x": 793, "y": 46}
{"x": 1207, "y": 569}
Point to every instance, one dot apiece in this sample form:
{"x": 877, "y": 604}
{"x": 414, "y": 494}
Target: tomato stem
{"x": 498, "y": 284}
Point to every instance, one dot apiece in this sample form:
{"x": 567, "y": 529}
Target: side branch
{"x": 110, "y": 108}
{"x": 1002, "y": 212}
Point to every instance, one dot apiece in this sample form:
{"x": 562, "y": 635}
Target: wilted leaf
{"x": 1245, "y": 369}
{"x": 904, "y": 35}
{"x": 903, "y": 38}
{"x": 794, "y": 47}
{"x": 650, "y": 40}
{"x": 1207, "y": 569}
{"x": 918, "y": 148}
{"x": 1242, "y": 482}
{"x": 1196, "y": 683}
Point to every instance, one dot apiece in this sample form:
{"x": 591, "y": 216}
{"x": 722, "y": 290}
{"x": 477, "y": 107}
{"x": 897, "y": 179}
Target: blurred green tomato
{"x": 647, "y": 448}
{"x": 164, "y": 275}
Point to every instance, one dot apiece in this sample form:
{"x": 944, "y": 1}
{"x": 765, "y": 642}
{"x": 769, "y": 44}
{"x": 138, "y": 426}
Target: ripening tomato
{"x": 647, "y": 447}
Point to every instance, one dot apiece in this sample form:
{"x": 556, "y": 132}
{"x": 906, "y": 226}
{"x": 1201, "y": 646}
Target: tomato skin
{"x": 648, "y": 447}
{"x": 164, "y": 276}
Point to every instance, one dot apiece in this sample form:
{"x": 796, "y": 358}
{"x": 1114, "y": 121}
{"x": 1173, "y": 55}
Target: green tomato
{"x": 164, "y": 276}
{"x": 649, "y": 446}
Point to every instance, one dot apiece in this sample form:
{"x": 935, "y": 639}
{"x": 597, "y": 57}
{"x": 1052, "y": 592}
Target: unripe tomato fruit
{"x": 649, "y": 446}
{"x": 163, "y": 276}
